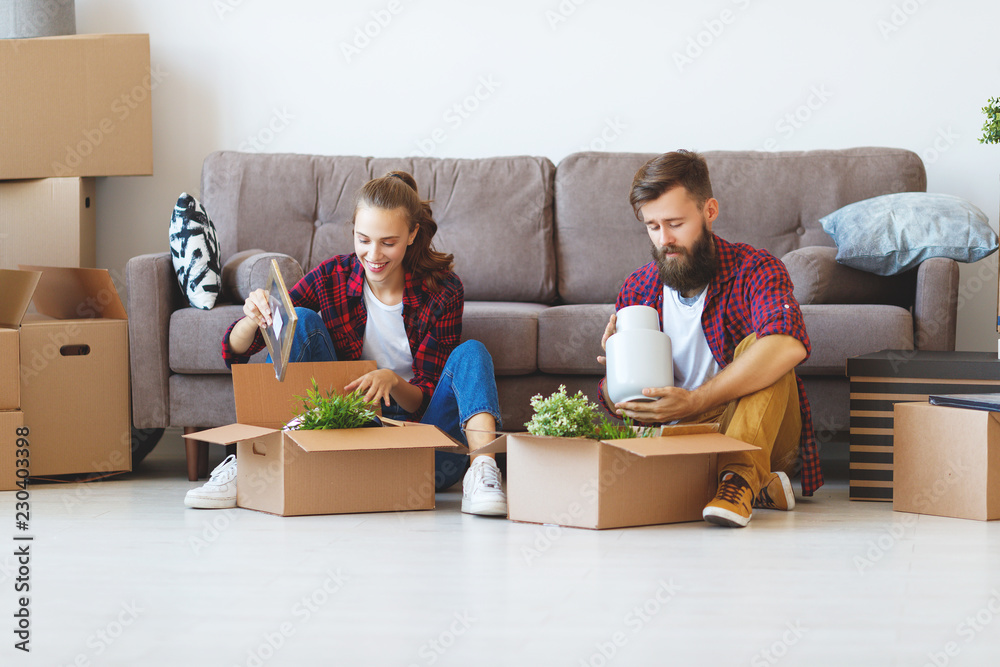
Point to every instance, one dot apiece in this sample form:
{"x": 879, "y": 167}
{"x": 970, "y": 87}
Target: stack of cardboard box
{"x": 75, "y": 107}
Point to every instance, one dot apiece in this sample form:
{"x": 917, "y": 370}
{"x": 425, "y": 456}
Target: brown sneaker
{"x": 777, "y": 494}
{"x": 731, "y": 505}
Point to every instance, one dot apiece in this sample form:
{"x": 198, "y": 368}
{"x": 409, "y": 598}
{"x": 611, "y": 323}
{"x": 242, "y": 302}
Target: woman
{"x": 395, "y": 301}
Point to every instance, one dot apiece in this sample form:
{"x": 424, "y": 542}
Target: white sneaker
{"x": 482, "y": 491}
{"x": 219, "y": 492}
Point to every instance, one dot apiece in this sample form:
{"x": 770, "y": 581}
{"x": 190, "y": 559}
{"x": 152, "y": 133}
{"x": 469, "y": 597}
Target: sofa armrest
{"x": 935, "y": 310}
{"x": 248, "y": 270}
{"x": 153, "y": 294}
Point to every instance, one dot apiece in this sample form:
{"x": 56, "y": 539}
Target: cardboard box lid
{"x": 676, "y": 440}
{"x": 230, "y": 434}
{"x": 16, "y": 289}
{"x": 417, "y": 436}
{"x": 680, "y": 445}
{"x": 70, "y": 293}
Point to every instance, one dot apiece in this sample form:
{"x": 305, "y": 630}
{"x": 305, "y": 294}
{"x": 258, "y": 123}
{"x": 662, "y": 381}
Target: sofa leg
{"x": 191, "y": 450}
{"x": 202, "y": 459}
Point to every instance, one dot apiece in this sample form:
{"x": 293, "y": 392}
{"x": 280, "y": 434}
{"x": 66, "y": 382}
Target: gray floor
{"x": 122, "y": 574}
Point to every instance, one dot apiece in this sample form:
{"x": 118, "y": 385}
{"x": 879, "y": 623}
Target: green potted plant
{"x": 991, "y": 128}
{"x": 564, "y": 416}
{"x": 333, "y": 411}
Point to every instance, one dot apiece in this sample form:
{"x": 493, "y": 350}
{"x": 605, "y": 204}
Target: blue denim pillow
{"x": 894, "y": 233}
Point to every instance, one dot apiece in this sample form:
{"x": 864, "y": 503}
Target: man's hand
{"x": 609, "y": 331}
{"x": 671, "y": 403}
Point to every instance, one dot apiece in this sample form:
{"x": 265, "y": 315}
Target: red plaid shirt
{"x": 433, "y": 320}
{"x": 751, "y": 293}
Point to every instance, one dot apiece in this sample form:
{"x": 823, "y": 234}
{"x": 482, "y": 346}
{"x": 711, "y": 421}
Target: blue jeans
{"x": 466, "y": 388}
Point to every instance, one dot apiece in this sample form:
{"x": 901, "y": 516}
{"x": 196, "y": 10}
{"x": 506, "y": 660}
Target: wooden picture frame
{"x": 279, "y": 334}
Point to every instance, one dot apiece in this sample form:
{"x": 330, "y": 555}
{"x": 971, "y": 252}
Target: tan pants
{"x": 768, "y": 418}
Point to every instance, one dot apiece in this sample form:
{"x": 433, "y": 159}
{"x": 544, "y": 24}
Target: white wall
{"x": 563, "y": 76}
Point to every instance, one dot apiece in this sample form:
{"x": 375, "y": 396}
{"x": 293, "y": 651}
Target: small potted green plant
{"x": 991, "y": 128}
{"x": 327, "y": 410}
{"x": 564, "y": 416}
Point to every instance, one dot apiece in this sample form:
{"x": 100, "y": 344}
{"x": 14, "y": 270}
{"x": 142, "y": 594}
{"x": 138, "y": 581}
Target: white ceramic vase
{"x": 638, "y": 355}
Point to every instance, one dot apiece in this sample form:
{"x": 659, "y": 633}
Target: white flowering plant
{"x": 562, "y": 416}
{"x": 565, "y": 416}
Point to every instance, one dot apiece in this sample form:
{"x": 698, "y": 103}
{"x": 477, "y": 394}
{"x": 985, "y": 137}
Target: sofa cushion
{"x": 819, "y": 278}
{"x": 894, "y": 233}
{"x": 196, "y": 339}
{"x": 495, "y": 215}
{"x": 769, "y": 200}
{"x": 838, "y": 332}
{"x": 276, "y": 199}
{"x": 508, "y": 330}
{"x": 569, "y": 338}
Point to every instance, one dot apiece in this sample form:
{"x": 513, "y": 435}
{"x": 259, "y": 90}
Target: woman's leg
{"x": 464, "y": 405}
{"x": 312, "y": 340}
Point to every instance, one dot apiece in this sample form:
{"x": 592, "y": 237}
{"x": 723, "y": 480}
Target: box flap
{"x": 676, "y": 445}
{"x": 16, "y": 288}
{"x": 412, "y": 436}
{"x": 230, "y": 434}
{"x": 497, "y": 446}
{"x": 71, "y": 293}
{"x": 688, "y": 429}
{"x": 262, "y": 400}
{"x": 452, "y": 442}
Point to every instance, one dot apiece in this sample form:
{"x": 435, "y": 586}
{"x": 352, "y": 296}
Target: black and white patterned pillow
{"x": 194, "y": 248}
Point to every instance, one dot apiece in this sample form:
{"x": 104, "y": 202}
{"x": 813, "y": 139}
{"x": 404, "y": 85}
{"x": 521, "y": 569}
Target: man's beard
{"x": 690, "y": 270}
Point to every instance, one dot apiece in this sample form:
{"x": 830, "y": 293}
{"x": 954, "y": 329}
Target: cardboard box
{"x": 76, "y": 105}
{"x": 16, "y": 288}
{"x": 10, "y": 421}
{"x": 947, "y": 461}
{"x": 583, "y": 483}
{"x": 49, "y": 221}
{"x": 292, "y": 473}
{"x": 75, "y": 374}
{"x": 880, "y": 380}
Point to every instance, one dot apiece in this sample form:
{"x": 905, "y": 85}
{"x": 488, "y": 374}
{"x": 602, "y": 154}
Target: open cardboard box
{"x": 293, "y": 473}
{"x": 946, "y": 461}
{"x": 74, "y": 374}
{"x": 582, "y": 483}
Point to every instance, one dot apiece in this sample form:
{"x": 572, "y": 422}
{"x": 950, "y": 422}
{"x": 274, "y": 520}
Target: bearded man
{"x": 737, "y": 334}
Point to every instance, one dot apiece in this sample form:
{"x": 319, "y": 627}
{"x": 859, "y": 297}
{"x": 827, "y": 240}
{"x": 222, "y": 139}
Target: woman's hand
{"x": 256, "y": 314}
{"x": 377, "y": 385}
{"x": 257, "y": 308}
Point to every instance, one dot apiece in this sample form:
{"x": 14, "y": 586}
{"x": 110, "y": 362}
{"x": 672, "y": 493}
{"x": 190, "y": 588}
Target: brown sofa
{"x": 542, "y": 251}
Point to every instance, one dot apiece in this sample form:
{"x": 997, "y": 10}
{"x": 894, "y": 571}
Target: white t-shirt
{"x": 385, "y": 336}
{"x": 693, "y": 361}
